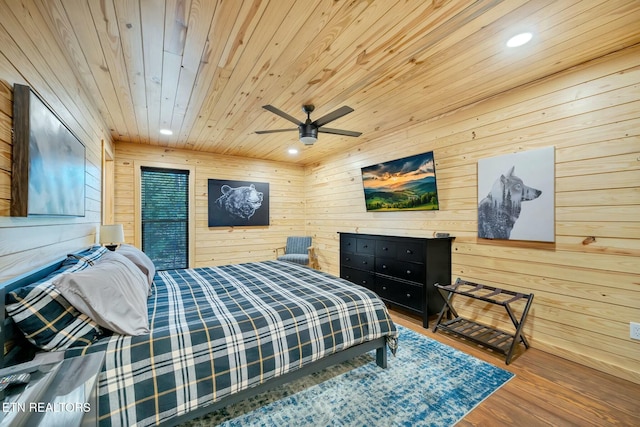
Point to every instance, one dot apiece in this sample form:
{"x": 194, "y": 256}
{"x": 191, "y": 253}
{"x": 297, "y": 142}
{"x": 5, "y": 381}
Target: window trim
{"x": 108, "y": 184}
{"x": 137, "y": 225}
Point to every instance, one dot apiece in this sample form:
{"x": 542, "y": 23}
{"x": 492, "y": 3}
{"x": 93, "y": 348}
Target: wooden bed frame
{"x": 23, "y": 351}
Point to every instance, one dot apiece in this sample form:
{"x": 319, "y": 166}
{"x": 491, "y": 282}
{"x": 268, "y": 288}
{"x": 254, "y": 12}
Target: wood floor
{"x": 546, "y": 391}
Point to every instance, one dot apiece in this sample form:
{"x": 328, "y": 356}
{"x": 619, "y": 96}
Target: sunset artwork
{"x": 403, "y": 184}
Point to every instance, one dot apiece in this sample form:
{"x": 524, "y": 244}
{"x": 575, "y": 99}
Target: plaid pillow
{"x": 88, "y": 256}
{"x": 47, "y": 319}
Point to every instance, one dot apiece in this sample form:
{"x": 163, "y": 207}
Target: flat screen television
{"x": 404, "y": 184}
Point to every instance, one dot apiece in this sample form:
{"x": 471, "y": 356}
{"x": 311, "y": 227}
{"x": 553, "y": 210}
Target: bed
{"x": 216, "y": 335}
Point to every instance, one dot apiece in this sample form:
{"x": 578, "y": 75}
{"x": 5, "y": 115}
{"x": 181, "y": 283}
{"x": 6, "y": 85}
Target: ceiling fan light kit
{"x": 308, "y": 131}
{"x": 308, "y": 134}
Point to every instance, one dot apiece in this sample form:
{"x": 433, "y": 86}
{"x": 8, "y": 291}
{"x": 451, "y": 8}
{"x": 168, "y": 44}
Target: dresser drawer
{"x": 411, "y": 251}
{"x": 366, "y": 246}
{"x": 363, "y": 262}
{"x": 386, "y": 248}
{"x": 359, "y": 277}
{"x": 400, "y": 293}
{"x": 347, "y": 244}
{"x": 403, "y": 270}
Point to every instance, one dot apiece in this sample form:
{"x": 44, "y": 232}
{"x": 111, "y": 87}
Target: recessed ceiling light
{"x": 293, "y": 151}
{"x": 166, "y": 131}
{"x": 519, "y": 39}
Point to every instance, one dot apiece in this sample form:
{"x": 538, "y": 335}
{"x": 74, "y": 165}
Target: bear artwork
{"x": 240, "y": 202}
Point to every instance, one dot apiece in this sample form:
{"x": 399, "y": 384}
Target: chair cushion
{"x": 298, "y": 245}
{"x": 297, "y": 258}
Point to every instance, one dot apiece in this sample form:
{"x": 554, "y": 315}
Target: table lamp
{"x": 111, "y": 236}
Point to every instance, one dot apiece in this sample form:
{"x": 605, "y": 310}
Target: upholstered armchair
{"x": 298, "y": 250}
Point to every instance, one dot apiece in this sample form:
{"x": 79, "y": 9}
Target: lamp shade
{"x": 111, "y": 234}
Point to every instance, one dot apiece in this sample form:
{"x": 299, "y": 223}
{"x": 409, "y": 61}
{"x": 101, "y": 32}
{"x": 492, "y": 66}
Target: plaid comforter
{"x": 215, "y": 331}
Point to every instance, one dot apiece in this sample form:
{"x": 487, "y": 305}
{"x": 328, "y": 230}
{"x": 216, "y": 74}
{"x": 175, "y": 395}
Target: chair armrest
{"x": 313, "y": 258}
{"x": 283, "y": 249}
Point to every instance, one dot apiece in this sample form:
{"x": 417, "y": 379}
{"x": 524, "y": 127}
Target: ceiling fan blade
{"x": 275, "y": 130}
{"x": 282, "y": 114}
{"x": 339, "y": 132}
{"x": 332, "y": 116}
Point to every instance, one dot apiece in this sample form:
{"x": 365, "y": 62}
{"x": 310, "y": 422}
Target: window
{"x": 165, "y": 216}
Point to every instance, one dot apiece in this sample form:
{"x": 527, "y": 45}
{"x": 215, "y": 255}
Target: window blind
{"x": 165, "y": 216}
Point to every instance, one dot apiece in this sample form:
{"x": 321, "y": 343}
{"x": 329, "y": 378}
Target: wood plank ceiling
{"x": 204, "y": 68}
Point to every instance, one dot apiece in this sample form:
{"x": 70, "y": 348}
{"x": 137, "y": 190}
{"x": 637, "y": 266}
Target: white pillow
{"x": 113, "y": 292}
{"x": 140, "y": 259}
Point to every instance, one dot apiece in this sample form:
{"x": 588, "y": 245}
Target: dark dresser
{"x": 401, "y": 270}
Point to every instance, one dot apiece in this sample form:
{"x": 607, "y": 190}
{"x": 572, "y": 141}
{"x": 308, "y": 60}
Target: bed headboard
{"x": 20, "y": 349}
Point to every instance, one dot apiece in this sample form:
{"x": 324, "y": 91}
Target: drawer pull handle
{"x": 408, "y": 272}
{"x": 385, "y": 249}
{"x": 347, "y": 259}
{"x": 347, "y": 277}
{"x": 384, "y": 288}
{"x": 384, "y": 266}
{"x": 364, "y": 262}
{"x": 409, "y": 251}
{"x": 364, "y": 282}
{"x": 365, "y": 246}
{"x": 408, "y": 295}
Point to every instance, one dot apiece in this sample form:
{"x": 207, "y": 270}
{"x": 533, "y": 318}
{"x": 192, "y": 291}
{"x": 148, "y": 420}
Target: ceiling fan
{"x": 309, "y": 129}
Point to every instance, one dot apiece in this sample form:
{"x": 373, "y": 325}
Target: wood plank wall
{"x": 587, "y": 283}
{"x": 219, "y": 245}
{"x": 29, "y": 56}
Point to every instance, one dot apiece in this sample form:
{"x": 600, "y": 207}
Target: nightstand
{"x": 65, "y": 394}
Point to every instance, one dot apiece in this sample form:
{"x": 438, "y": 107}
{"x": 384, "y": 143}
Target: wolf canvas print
{"x": 516, "y": 196}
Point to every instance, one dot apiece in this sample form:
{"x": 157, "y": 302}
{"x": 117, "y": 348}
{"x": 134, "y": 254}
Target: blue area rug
{"x": 426, "y": 384}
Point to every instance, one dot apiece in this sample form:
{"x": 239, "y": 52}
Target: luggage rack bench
{"x": 495, "y": 339}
